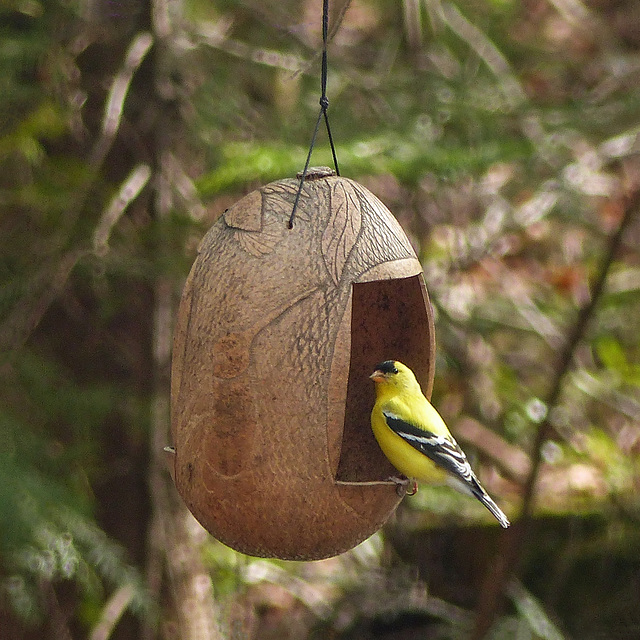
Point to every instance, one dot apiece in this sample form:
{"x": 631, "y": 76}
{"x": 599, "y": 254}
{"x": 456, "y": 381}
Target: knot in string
{"x": 324, "y": 105}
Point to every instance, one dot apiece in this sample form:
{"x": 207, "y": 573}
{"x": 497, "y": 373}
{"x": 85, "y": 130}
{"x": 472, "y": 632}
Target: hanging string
{"x": 324, "y": 105}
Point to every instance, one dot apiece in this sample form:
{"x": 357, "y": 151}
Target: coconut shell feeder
{"x": 277, "y": 332}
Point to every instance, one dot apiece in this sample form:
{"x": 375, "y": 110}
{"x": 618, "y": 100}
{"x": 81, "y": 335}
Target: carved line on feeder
{"x": 232, "y": 465}
{"x": 342, "y": 231}
{"x": 246, "y": 214}
{"x": 232, "y": 352}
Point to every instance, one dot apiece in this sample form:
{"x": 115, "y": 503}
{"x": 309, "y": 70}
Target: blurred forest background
{"x": 503, "y": 134}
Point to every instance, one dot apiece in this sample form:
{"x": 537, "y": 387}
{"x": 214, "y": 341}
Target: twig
{"x": 215, "y": 36}
{"x": 118, "y": 91}
{"x": 57, "y": 622}
{"x": 497, "y": 579}
{"x": 112, "y": 612}
{"x": 127, "y": 193}
{"x": 486, "y": 50}
{"x": 412, "y": 23}
{"x": 112, "y": 119}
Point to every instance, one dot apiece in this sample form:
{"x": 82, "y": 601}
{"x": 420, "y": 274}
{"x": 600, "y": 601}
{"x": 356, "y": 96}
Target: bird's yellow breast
{"x": 405, "y": 458}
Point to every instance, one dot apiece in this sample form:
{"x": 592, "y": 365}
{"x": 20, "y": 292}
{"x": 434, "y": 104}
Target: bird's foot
{"x": 402, "y": 483}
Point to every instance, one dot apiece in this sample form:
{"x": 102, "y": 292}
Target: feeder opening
{"x": 390, "y": 320}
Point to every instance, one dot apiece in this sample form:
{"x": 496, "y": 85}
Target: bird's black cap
{"x": 388, "y": 366}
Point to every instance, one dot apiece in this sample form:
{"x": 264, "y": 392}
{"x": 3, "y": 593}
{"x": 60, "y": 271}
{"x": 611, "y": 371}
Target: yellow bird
{"x": 415, "y": 438}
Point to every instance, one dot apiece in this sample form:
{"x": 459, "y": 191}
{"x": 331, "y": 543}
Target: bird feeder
{"x": 277, "y": 332}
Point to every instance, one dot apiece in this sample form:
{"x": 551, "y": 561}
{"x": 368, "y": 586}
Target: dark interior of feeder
{"x": 390, "y": 320}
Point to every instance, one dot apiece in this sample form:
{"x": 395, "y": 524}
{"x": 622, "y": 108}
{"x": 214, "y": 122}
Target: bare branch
{"x": 127, "y": 193}
{"x": 215, "y": 35}
{"x": 136, "y": 53}
{"x": 412, "y": 22}
{"x": 112, "y": 613}
{"x": 487, "y": 51}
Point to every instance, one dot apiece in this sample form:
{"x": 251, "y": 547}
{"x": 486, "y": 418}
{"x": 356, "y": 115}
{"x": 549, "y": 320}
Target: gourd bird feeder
{"x": 277, "y": 332}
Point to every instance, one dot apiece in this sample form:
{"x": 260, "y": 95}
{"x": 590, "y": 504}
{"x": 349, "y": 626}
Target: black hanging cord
{"x": 324, "y": 105}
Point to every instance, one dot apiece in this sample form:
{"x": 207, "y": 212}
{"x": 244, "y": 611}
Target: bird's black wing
{"x": 445, "y": 452}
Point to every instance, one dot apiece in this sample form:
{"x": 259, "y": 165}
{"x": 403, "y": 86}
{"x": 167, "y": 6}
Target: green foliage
{"x": 397, "y": 153}
{"x": 47, "y": 530}
{"x": 52, "y": 417}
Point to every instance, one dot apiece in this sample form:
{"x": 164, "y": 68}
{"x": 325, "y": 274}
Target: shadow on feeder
{"x": 277, "y": 333}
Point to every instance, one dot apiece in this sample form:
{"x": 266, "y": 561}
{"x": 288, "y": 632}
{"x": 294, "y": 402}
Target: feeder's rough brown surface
{"x": 277, "y": 332}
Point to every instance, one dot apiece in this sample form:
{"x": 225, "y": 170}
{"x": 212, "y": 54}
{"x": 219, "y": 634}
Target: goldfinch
{"x": 415, "y": 438}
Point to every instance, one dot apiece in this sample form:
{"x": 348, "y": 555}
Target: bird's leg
{"x": 402, "y": 482}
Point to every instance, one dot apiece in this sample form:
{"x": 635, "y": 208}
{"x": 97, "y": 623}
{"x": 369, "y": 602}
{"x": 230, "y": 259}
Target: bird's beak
{"x": 377, "y": 376}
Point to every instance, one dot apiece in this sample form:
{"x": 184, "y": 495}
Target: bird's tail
{"x": 472, "y": 487}
{"x": 486, "y": 500}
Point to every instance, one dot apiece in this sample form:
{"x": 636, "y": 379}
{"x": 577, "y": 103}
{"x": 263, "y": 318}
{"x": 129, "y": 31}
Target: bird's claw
{"x": 402, "y": 484}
